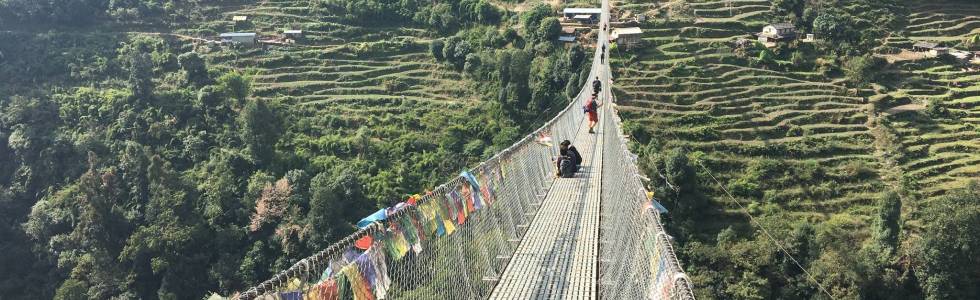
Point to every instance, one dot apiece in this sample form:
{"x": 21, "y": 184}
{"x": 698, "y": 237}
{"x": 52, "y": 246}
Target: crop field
{"x": 942, "y": 149}
{"x": 789, "y": 143}
{"x": 738, "y": 115}
{"x": 943, "y": 21}
{"x": 356, "y": 76}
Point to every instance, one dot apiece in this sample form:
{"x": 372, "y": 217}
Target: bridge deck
{"x": 557, "y": 258}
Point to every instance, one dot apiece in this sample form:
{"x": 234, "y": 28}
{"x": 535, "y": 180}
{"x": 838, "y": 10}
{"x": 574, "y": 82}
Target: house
{"x": 570, "y": 13}
{"x": 584, "y": 19}
{"x": 239, "y": 18}
{"x": 247, "y": 38}
{"x": 626, "y": 37}
{"x": 777, "y": 32}
{"x": 566, "y": 38}
{"x": 924, "y": 46}
{"x": 568, "y": 30}
{"x": 809, "y": 38}
{"x": 292, "y": 34}
{"x": 937, "y": 51}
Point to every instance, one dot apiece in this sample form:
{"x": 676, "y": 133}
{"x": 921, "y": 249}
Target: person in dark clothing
{"x": 596, "y": 85}
{"x": 568, "y": 152}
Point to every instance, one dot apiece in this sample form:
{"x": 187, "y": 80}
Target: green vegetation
{"x": 146, "y": 163}
{"x": 822, "y": 143}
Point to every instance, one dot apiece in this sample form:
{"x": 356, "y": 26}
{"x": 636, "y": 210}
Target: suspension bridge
{"x": 509, "y": 229}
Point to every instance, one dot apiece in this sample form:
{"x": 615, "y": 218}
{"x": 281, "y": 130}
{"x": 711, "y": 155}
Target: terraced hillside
{"x": 941, "y": 144}
{"x": 943, "y": 20}
{"x": 791, "y": 140}
{"x": 735, "y": 113}
{"x": 345, "y": 78}
{"x": 791, "y": 145}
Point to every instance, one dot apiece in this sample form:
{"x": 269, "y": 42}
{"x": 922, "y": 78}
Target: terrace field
{"x": 796, "y": 146}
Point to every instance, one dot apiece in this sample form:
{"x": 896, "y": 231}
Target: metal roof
{"x": 239, "y": 18}
{"x": 582, "y": 17}
{"x": 292, "y": 31}
{"x": 566, "y": 38}
{"x": 582, "y": 10}
{"x": 783, "y": 25}
{"x": 238, "y": 34}
{"x": 628, "y": 30}
{"x": 924, "y": 44}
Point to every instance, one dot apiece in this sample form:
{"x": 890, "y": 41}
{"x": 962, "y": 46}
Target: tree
{"x": 531, "y": 19}
{"x": 193, "y": 64}
{"x": 436, "y": 48}
{"x": 576, "y": 56}
{"x": 936, "y": 109}
{"x": 864, "y": 69}
{"x": 549, "y": 29}
{"x": 884, "y": 231}
{"x": 261, "y": 128}
{"x": 141, "y": 76}
{"x": 472, "y": 63}
{"x": 831, "y": 25}
{"x": 449, "y": 50}
{"x": 337, "y": 198}
{"x": 486, "y": 13}
{"x": 236, "y": 85}
{"x": 950, "y": 249}
{"x": 782, "y": 8}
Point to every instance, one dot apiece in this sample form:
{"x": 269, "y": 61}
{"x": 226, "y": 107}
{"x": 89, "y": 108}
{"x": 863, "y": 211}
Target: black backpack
{"x": 567, "y": 167}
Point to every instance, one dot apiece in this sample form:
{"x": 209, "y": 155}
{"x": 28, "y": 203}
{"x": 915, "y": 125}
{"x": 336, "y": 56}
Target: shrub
{"x": 436, "y": 48}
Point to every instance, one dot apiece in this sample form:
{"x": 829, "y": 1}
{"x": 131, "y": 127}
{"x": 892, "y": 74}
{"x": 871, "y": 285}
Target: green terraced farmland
{"x": 793, "y": 146}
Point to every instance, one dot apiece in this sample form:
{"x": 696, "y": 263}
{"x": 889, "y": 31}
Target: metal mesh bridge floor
{"x": 557, "y": 257}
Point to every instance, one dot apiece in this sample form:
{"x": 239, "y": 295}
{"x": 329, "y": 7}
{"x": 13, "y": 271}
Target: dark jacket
{"x": 573, "y": 153}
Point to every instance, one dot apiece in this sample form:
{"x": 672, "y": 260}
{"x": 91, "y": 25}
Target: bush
{"x": 436, "y": 48}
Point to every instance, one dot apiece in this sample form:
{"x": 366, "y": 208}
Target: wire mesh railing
{"x": 637, "y": 259}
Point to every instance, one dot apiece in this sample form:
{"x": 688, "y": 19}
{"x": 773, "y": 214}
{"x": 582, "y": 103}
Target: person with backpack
{"x": 592, "y": 109}
{"x": 596, "y": 86}
{"x": 569, "y": 160}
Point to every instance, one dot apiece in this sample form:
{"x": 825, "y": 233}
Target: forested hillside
{"x": 139, "y": 162}
{"x": 822, "y": 169}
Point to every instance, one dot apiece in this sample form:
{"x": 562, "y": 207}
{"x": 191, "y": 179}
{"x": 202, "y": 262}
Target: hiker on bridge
{"x": 569, "y": 160}
{"x": 596, "y": 86}
{"x": 592, "y": 108}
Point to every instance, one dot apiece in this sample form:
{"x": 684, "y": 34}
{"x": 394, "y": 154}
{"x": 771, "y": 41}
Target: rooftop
{"x": 582, "y": 10}
{"x": 924, "y": 44}
{"x": 239, "y": 18}
{"x": 238, "y": 34}
{"x": 783, "y": 25}
{"x": 292, "y": 31}
{"x": 627, "y": 30}
{"x": 566, "y": 38}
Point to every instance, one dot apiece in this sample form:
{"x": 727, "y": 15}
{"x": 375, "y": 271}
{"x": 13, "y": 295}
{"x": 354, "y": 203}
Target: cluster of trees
{"x": 447, "y": 16}
{"x": 848, "y": 27}
{"x": 530, "y": 72}
{"x": 87, "y": 12}
{"x": 879, "y": 258}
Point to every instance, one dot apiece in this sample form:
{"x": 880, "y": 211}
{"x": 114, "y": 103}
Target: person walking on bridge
{"x": 596, "y": 86}
{"x": 592, "y": 109}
